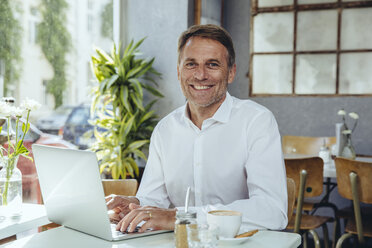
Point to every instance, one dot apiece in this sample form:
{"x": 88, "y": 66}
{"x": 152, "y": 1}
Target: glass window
{"x": 311, "y": 47}
{"x": 47, "y": 47}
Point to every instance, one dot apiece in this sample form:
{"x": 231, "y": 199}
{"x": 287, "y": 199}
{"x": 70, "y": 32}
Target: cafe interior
{"x": 307, "y": 61}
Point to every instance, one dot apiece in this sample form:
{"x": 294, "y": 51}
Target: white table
{"x": 33, "y": 215}
{"x": 64, "y": 237}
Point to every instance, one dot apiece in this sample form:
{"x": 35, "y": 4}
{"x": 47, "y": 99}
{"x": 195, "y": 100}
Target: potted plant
{"x": 123, "y": 122}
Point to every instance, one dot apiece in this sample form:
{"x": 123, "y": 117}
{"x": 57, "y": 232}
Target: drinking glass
{"x": 202, "y": 236}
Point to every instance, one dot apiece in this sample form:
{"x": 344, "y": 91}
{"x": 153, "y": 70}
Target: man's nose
{"x": 200, "y": 73}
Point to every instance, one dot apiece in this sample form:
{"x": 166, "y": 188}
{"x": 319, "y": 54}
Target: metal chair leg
{"x": 304, "y": 237}
{"x": 325, "y": 235}
{"x": 342, "y": 239}
{"x": 336, "y": 232}
{"x": 316, "y": 238}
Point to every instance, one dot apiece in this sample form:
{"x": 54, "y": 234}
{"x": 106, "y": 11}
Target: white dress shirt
{"x": 234, "y": 162}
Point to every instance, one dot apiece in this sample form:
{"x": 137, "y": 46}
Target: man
{"x": 227, "y": 150}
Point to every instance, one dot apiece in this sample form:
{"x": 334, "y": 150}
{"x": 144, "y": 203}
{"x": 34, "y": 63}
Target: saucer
{"x": 232, "y": 241}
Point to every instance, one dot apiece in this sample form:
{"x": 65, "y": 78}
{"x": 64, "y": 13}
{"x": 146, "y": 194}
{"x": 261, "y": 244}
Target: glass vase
{"x": 10, "y": 187}
{"x": 348, "y": 151}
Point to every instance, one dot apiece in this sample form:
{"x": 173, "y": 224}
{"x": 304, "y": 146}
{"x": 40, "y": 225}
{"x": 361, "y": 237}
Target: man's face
{"x": 203, "y": 71}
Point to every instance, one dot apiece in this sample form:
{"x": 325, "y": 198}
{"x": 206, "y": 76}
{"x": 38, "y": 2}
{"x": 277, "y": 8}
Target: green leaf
{"x": 137, "y": 86}
{"x": 152, "y": 90}
{"x": 24, "y": 128}
{"x": 137, "y": 101}
{"x": 128, "y": 48}
{"x": 137, "y": 144}
{"x": 134, "y": 165}
{"x": 124, "y": 98}
{"x": 104, "y": 56}
{"x": 126, "y": 126}
{"x": 112, "y": 80}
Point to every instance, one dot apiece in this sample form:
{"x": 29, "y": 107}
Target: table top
{"x": 329, "y": 169}
{"x": 33, "y": 215}
{"x": 62, "y": 237}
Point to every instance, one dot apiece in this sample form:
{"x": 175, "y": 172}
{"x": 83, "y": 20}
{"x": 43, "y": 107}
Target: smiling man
{"x": 226, "y": 149}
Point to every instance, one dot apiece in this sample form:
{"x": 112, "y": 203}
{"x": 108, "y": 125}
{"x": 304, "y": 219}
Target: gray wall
{"x": 307, "y": 116}
{"x": 161, "y": 21}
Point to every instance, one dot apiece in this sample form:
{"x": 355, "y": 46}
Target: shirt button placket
{"x": 197, "y": 170}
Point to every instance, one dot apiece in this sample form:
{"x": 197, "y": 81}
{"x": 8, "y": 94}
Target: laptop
{"x": 73, "y": 194}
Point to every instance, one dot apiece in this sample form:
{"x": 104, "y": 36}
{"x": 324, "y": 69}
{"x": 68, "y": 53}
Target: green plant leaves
{"x": 124, "y": 123}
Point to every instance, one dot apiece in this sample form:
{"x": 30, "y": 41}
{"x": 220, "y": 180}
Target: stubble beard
{"x": 215, "y": 99}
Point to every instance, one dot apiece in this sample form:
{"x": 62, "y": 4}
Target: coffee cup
{"x": 227, "y": 221}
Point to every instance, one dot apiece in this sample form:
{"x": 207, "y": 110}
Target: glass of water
{"x": 202, "y": 236}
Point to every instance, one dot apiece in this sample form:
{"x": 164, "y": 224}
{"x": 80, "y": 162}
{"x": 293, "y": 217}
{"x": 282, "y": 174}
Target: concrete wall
{"x": 161, "y": 21}
{"x": 308, "y": 116}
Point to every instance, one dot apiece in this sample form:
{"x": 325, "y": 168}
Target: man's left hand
{"x": 155, "y": 218}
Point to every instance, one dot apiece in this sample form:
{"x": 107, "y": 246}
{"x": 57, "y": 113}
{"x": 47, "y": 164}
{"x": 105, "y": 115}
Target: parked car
{"x": 30, "y": 183}
{"x": 77, "y": 125}
{"x": 54, "y": 122}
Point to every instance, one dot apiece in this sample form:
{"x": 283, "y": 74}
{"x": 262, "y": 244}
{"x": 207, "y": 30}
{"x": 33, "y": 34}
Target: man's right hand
{"x": 120, "y": 204}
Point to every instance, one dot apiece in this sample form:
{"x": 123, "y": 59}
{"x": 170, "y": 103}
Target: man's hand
{"x": 120, "y": 205}
{"x": 156, "y": 218}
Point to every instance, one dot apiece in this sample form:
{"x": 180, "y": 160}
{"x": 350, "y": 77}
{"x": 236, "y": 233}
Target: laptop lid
{"x": 72, "y": 190}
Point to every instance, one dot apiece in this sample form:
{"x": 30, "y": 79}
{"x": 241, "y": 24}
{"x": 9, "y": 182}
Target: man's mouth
{"x": 201, "y": 87}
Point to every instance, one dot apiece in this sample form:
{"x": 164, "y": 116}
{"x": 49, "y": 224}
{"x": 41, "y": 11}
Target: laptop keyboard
{"x": 119, "y": 233}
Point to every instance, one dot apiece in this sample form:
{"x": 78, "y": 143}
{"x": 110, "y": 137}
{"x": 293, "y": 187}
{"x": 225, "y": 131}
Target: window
{"x": 311, "y": 47}
{"x": 47, "y": 46}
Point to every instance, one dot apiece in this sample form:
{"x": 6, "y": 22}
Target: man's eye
{"x": 190, "y": 64}
{"x": 213, "y": 64}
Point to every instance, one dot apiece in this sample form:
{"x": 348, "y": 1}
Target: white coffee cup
{"x": 227, "y": 221}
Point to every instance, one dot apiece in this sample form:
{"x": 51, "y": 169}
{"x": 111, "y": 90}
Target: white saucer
{"x": 232, "y": 241}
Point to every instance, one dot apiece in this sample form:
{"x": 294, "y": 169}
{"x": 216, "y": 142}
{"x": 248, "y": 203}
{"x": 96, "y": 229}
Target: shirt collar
{"x": 222, "y": 114}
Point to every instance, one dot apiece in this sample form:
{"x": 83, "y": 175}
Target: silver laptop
{"x": 73, "y": 193}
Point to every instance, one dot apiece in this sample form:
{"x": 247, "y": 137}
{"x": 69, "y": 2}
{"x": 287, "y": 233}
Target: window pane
{"x": 356, "y": 29}
{"x": 271, "y": 3}
{"x": 272, "y": 74}
{"x": 317, "y": 30}
{"x": 273, "y": 32}
{"x": 355, "y": 73}
{"x": 316, "y": 74}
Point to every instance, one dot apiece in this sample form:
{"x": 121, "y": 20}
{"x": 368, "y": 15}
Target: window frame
{"x": 295, "y": 8}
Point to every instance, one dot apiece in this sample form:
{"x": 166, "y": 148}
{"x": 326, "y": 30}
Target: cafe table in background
{"x": 63, "y": 237}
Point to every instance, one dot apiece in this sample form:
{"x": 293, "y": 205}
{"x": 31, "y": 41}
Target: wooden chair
{"x": 291, "y": 191}
{"x": 305, "y": 144}
{"x": 127, "y": 187}
{"x": 307, "y": 174}
{"x": 354, "y": 183}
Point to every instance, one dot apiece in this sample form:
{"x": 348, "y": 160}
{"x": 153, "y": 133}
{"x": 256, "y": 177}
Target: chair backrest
{"x": 126, "y": 187}
{"x": 363, "y": 170}
{"x": 305, "y": 144}
{"x": 291, "y": 189}
{"x": 314, "y": 169}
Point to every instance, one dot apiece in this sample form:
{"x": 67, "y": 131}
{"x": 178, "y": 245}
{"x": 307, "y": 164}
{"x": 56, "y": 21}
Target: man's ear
{"x": 178, "y": 71}
{"x": 232, "y": 73}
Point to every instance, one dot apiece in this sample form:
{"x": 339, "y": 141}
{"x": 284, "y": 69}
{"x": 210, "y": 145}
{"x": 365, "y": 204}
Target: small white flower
{"x": 341, "y": 112}
{"x": 4, "y": 109}
{"x": 354, "y": 115}
{"x": 7, "y": 110}
{"x": 30, "y": 104}
{"x": 18, "y": 112}
{"x": 347, "y": 131}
